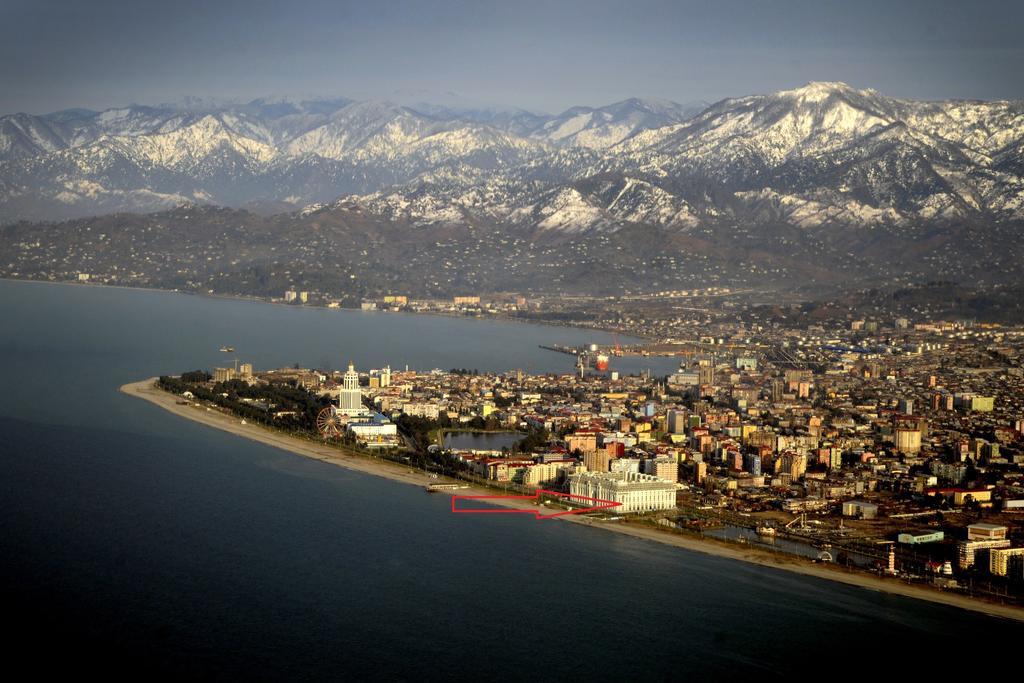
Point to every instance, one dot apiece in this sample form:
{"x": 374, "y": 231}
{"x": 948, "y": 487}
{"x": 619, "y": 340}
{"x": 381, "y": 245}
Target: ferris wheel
{"x": 329, "y": 423}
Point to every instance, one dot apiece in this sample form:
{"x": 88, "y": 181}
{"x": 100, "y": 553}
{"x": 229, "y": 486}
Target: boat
{"x": 765, "y": 530}
{"x": 434, "y": 488}
{"x": 227, "y": 349}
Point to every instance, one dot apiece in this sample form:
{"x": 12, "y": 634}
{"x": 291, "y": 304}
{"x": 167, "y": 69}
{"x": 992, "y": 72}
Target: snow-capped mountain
{"x": 819, "y": 157}
{"x": 604, "y": 127}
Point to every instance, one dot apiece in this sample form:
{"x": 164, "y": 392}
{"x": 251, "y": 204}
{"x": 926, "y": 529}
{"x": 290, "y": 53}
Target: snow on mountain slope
{"x": 636, "y": 201}
{"x": 22, "y": 136}
{"x": 824, "y": 152}
{"x": 747, "y": 135}
{"x": 187, "y": 147}
{"x": 607, "y": 126}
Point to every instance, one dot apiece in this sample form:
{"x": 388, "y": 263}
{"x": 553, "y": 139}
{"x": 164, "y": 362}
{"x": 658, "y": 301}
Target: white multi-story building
{"x": 375, "y": 432}
{"x": 423, "y": 409}
{"x": 634, "y": 491}
{"x": 350, "y": 397}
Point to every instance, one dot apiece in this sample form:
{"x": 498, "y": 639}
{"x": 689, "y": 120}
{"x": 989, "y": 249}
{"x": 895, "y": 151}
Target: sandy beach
{"x": 148, "y": 391}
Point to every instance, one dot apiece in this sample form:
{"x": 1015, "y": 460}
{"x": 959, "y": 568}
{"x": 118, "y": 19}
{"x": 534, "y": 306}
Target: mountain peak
{"x": 816, "y": 91}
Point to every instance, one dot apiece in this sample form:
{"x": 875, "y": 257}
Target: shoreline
{"x": 147, "y": 391}
{"x": 261, "y": 300}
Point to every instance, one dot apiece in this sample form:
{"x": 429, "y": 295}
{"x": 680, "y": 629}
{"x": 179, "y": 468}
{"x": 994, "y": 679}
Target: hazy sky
{"x": 542, "y": 55}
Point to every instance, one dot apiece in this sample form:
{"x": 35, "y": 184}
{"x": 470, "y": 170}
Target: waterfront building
{"x": 1007, "y": 562}
{"x": 684, "y": 379}
{"x": 542, "y": 473}
{"x": 376, "y": 431}
{"x": 968, "y": 550}
{"x": 350, "y": 397}
{"x": 636, "y": 492}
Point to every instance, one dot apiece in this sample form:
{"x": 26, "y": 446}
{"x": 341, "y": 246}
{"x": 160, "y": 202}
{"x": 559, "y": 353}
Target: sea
{"x": 138, "y": 544}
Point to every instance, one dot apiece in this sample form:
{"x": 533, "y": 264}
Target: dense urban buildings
{"x": 891, "y": 443}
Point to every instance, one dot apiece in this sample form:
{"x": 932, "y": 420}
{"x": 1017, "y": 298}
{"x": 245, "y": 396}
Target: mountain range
{"x": 851, "y": 171}
{"x": 819, "y": 154}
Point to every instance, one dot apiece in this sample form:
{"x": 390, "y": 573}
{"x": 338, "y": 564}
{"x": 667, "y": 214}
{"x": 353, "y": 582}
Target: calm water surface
{"x": 137, "y": 542}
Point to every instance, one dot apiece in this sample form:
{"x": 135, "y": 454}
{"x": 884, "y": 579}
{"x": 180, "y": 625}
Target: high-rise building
{"x": 908, "y": 439}
{"x": 752, "y": 463}
{"x": 350, "y": 398}
{"x": 597, "y": 460}
{"x": 223, "y": 374}
{"x": 676, "y": 421}
{"x": 706, "y": 372}
{"x": 663, "y": 468}
{"x": 793, "y": 464}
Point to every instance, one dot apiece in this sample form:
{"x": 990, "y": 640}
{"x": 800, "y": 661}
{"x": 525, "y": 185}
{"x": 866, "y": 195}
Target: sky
{"x": 539, "y": 55}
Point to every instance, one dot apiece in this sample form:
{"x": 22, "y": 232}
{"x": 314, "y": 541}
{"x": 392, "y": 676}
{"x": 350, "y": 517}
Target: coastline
{"x": 262, "y": 300}
{"x": 147, "y": 391}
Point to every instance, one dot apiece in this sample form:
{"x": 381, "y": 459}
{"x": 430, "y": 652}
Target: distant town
{"x": 887, "y": 446}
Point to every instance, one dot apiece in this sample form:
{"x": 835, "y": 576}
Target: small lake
{"x": 481, "y": 441}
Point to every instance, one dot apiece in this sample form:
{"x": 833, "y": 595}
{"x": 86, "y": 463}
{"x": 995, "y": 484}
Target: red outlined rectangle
{"x": 602, "y": 505}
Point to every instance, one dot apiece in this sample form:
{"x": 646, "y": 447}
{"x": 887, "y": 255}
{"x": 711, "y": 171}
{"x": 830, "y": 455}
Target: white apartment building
{"x": 634, "y": 491}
